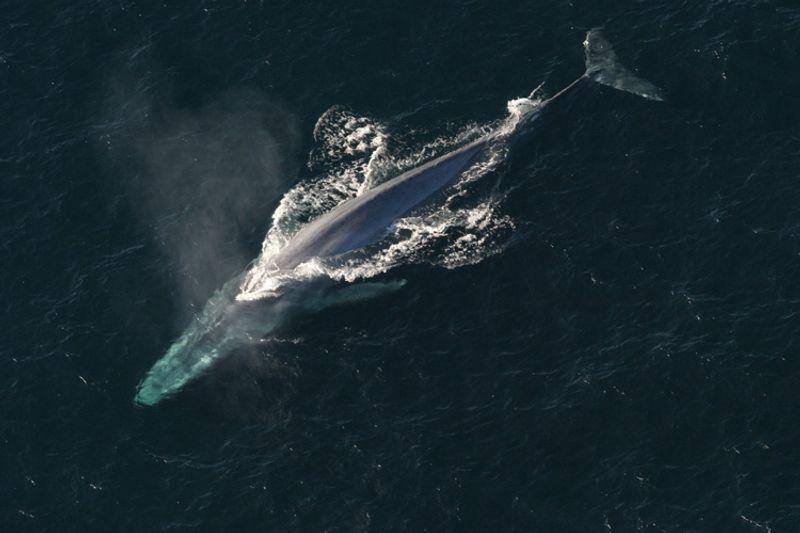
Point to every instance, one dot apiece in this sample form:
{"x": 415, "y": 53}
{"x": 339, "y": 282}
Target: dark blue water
{"x": 628, "y": 361}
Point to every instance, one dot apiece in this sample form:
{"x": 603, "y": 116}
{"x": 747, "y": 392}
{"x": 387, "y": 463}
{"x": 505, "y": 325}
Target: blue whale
{"x": 226, "y": 323}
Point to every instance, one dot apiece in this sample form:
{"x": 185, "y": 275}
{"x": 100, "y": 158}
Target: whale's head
{"x": 223, "y": 325}
{"x": 186, "y": 359}
{"x": 226, "y": 324}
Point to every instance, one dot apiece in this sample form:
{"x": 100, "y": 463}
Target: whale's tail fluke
{"x": 603, "y": 67}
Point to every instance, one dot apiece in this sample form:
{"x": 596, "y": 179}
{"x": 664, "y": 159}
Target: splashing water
{"x": 353, "y": 155}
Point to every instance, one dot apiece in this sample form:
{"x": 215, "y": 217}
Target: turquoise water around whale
{"x": 595, "y": 331}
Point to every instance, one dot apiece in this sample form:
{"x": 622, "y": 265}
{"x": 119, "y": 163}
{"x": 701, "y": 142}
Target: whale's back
{"x": 364, "y": 220}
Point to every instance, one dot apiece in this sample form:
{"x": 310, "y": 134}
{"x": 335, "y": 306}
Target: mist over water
{"x": 596, "y": 330}
{"x": 200, "y": 178}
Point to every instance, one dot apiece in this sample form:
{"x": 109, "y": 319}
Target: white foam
{"x": 352, "y": 155}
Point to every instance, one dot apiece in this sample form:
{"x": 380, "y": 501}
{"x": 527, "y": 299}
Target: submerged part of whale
{"x": 227, "y": 321}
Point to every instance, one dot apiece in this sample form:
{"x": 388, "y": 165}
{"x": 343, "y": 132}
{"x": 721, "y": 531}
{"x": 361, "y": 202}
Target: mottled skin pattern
{"x": 365, "y": 219}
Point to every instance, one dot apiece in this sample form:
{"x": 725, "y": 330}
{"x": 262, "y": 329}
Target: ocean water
{"x": 594, "y": 331}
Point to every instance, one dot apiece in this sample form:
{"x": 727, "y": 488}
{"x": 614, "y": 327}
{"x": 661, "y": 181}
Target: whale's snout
{"x": 148, "y": 393}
